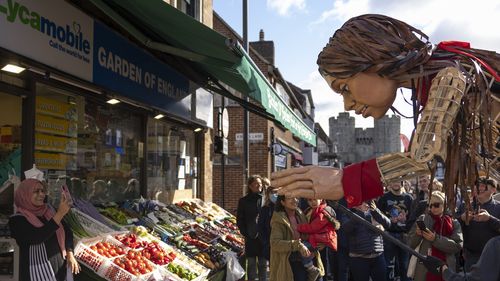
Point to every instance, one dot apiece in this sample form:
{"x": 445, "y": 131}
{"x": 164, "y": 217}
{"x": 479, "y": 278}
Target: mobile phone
{"x": 66, "y": 194}
{"x": 421, "y": 226}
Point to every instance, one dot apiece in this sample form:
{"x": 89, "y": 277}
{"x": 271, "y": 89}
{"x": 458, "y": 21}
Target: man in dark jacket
{"x": 247, "y": 214}
{"x": 419, "y": 204}
{"x": 482, "y": 224}
{"x": 264, "y": 221}
{"x": 395, "y": 204}
{"x": 486, "y": 269}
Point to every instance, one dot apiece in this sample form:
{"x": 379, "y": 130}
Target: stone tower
{"x": 386, "y": 135}
{"x": 364, "y": 144}
{"x": 342, "y": 134}
{"x": 357, "y": 144}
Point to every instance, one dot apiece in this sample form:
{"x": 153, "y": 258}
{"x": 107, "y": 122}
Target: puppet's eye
{"x": 344, "y": 89}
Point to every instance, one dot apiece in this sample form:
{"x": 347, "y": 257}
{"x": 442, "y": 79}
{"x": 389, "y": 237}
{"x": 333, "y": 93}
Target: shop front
{"x": 96, "y": 112}
{"x": 102, "y": 112}
{"x": 93, "y": 110}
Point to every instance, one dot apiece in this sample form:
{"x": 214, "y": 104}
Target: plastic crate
{"x": 180, "y": 256}
{"x": 168, "y": 275}
{"x": 112, "y": 272}
{"x": 103, "y": 266}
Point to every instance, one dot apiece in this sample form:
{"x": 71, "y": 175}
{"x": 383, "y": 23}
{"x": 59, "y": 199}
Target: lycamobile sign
{"x": 61, "y": 36}
{"x": 70, "y": 36}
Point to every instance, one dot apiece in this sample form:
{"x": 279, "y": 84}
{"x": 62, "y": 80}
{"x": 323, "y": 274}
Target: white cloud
{"x": 440, "y": 19}
{"x": 343, "y": 10}
{"x": 283, "y": 7}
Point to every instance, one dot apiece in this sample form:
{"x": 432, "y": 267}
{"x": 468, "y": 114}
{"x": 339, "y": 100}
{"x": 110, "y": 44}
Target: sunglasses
{"x": 435, "y": 205}
{"x": 486, "y": 182}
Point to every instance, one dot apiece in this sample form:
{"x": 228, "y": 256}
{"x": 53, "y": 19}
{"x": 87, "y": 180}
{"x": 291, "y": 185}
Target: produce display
{"x": 182, "y": 271}
{"x": 130, "y": 240}
{"x": 157, "y": 254}
{"x": 134, "y": 263}
{"x": 182, "y": 241}
{"x": 117, "y": 215}
{"x": 107, "y": 250}
{"x": 90, "y": 210}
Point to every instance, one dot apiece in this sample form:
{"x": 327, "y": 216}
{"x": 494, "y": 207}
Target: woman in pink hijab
{"x": 45, "y": 242}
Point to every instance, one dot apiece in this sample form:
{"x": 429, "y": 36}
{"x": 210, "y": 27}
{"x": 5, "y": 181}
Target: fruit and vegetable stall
{"x": 148, "y": 240}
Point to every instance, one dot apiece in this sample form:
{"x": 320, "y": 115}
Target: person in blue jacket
{"x": 366, "y": 247}
{"x": 264, "y": 221}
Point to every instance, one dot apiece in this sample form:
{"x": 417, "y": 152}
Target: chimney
{"x": 264, "y": 48}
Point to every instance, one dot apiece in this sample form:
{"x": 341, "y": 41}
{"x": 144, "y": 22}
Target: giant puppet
{"x": 456, "y": 100}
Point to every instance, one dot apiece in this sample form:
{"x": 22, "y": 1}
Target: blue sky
{"x": 301, "y": 28}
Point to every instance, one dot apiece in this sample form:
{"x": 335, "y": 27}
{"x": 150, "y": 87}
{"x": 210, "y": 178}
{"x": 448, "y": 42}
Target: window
{"x": 191, "y": 8}
{"x": 283, "y": 94}
{"x": 90, "y": 146}
{"x": 172, "y": 160}
{"x": 10, "y": 148}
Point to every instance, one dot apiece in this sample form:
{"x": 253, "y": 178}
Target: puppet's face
{"x": 368, "y": 94}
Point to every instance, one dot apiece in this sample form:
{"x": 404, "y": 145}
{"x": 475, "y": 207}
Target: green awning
{"x": 161, "y": 27}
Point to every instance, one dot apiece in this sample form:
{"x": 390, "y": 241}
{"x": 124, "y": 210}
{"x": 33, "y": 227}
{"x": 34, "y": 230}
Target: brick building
{"x": 263, "y": 132}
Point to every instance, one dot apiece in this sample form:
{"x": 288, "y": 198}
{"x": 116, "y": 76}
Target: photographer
{"x": 435, "y": 233}
{"x": 483, "y": 224}
{"x": 45, "y": 242}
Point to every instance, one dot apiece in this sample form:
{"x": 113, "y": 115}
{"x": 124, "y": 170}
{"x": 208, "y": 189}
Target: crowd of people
{"x": 290, "y": 238}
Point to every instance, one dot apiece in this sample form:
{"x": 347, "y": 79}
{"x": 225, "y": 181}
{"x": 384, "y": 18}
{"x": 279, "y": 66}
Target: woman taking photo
{"x": 437, "y": 234}
{"x": 45, "y": 242}
{"x": 287, "y": 250}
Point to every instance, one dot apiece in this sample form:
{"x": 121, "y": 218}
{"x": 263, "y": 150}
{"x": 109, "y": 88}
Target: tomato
{"x": 159, "y": 255}
{"x": 131, "y": 254}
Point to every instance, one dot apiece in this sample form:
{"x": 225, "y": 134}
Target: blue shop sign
{"x": 130, "y": 71}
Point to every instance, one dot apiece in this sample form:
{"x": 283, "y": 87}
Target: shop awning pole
{"x": 246, "y": 115}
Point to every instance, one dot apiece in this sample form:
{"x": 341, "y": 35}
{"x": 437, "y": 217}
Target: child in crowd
{"x": 321, "y": 230}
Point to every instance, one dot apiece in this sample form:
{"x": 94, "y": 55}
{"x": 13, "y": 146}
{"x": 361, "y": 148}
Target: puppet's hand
{"x": 309, "y": 182}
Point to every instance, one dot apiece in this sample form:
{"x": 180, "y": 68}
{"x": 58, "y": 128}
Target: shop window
{"x": 90, "y": 146}
{"x": 172, "y": 163}
{"x": 10, "y": 148}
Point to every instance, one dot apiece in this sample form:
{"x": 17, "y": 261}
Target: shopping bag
{"x": 234, "y": 270}
{"x": 412, "y": 265}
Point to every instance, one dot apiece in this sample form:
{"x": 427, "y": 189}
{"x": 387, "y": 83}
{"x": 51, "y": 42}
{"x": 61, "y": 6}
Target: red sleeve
{"x": 361, "y": 182}
{"x": 313, "y": 227}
